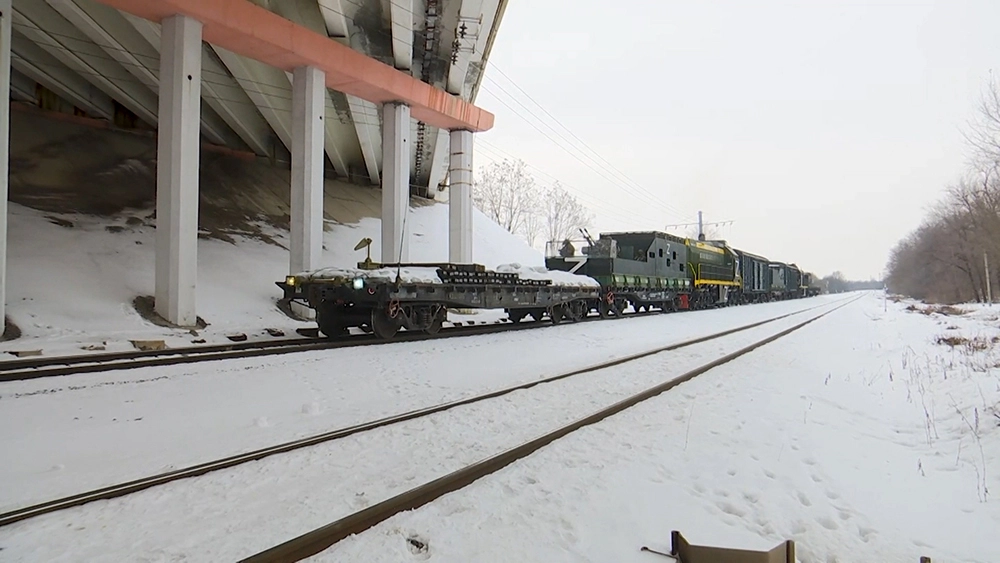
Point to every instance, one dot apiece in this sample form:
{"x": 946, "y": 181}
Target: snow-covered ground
{"x": 859, "y": 437}
{"x": 70, "y": 288}
{"x": 59, "y": 433}
{"x": 335, "y": 479}
{"x": 869, "y": 435}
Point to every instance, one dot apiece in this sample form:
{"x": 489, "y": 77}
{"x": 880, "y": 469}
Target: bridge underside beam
{"x": 221, "y": 93}
{"x": 252, "y": 31}
{"x": 40, "y": 66}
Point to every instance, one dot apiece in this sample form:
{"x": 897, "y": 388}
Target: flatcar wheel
{"x": 384, "y": 326}
{"x": 619, "y": 307}
{"x": 436, "y": 323}
{"x": 604, "y": 309}
{"x": 556, "y": 314}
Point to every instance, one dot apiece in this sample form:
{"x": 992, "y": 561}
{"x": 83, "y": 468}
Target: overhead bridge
{"x": 378, "y": 91}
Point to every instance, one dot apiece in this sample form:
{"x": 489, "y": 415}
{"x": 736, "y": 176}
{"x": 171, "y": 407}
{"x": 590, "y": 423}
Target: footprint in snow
{"x": 730, "y": 508}
{"x": 828, "y": 523}
{"x": 865, "y": 533}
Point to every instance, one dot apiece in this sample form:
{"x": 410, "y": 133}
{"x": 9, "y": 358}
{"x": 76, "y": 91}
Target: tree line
{"x": 507, "y": 193}
{"x": 838, "y": 283}
{"x": 945, "y": 259}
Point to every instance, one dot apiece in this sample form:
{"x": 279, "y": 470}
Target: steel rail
{"x": 137, "y": 485}
{"x": 132, "y": 360}
{"x": 30, "y": 363}
{"x": 24, "y": 369}
{"x": 320, "y": 539}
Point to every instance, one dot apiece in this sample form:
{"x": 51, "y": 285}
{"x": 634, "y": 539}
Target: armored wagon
{"x": 645, "y": 269}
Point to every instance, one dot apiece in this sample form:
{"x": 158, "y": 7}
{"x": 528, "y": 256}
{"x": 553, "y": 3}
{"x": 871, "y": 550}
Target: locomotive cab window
{"x": 652, "y": 255}
{"x": 661, "y": 253}
{"x": 675, "y": 255}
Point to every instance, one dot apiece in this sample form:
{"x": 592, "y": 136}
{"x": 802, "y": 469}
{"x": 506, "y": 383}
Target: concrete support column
{"x": 177, "y": 154}
{"x": 6, "y": 12}
{"x": 308, "y": 97}
{"x": 460, "y": 198}
{"x": 395, "y": 181}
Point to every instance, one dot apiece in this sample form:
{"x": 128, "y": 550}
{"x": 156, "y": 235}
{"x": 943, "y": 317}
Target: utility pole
{"x": 701, "y": 225}
{"x": 989, "y": 290}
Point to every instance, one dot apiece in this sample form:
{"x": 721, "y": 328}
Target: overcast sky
{"x": 823, "y": 128}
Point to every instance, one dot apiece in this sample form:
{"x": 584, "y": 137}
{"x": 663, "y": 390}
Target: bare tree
{"x": 505, "y": 192}
{"x": 533, "y": 220}
{"x": 984, "y": 131}
{"x": 943, "y": 260}
{"x": 564, "y": 215}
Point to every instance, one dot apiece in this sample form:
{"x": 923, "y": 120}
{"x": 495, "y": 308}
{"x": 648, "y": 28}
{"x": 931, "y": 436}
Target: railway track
{"x": 35, "y": 368}
{"x": 134, "y": 486}
{"x": 320, "y": 539}
{"x": 16, "y": 370}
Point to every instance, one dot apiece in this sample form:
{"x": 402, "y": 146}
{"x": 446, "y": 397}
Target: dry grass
{"x": 946, "y": 310}
{"x": 971, "y": 345}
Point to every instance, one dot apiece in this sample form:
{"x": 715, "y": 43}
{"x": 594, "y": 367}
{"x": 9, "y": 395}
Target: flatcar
{"x": 383, "y": 298}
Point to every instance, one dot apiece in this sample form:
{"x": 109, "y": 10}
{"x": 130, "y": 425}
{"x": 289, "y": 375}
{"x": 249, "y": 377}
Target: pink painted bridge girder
{"x": 249, "y": 30}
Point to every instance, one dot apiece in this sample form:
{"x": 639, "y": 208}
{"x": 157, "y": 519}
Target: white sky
{"x": 823, "y": 128}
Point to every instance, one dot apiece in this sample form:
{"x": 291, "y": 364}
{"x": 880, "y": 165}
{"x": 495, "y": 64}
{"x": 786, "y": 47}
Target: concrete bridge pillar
{"x": 460, "y": 198}
{"x": 395, "y": 181}
{"x": 6, "y": 12}
{"x": 177, "y": 154}
{"x": 308, "y": 96}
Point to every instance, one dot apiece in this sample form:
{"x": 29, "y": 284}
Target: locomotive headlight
{"x": 359, "y": 283}
{"x": 290, "y": 280}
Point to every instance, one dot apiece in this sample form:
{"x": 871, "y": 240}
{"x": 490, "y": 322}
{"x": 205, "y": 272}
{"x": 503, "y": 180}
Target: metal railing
{"x": 573, "y": 248}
